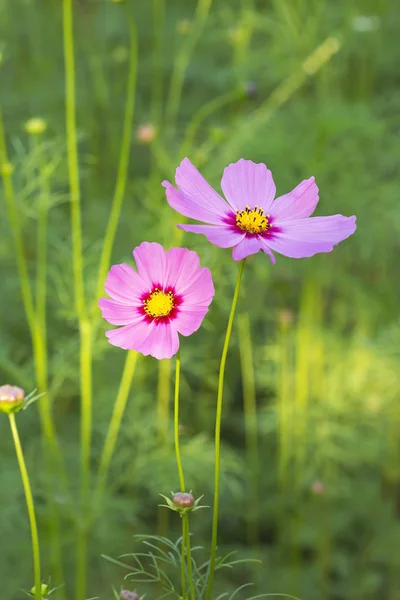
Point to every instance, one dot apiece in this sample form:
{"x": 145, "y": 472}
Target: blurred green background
{"x": 311, "y": 471}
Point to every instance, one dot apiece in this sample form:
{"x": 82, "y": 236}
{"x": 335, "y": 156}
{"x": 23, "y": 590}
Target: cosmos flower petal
{"x": 223, "y": 236}
{"x": 129, "y": 337}
{"x": 123, "y": 284}
{"x": 193, "y": 185}
{"x": 265, "y": 248}
{"x": 117, "y": 313}
{"x": 248, "y": 245}
{"x": 151, "y": 261}
{"x": 183, "y": 267}
{"x": 245, "y": 183}
{"x": 306, "y": 237}
{"x": 189, "y": 321}
{"x": 201, "y": 290}
{"x": 299, "y": 203}
{"x": 163, "y": 341}
{"x": 190, "y": 207}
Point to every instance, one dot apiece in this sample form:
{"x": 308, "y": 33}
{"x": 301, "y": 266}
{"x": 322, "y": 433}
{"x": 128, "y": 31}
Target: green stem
{"x": 218, "y": 432}
{"x": 250, "y": 425}
{"x": 86, "y": 438}
{"x": 30, "y": 506}
{"x": 182, "y": 61}
{"x": 176, "y": 423}
{"x": 203, "y": 113}
{"x": 185, "y": 532}
{"x": 10, "y": 197}
{"x": 183, "y": 569}
{"x": 123, "y": 166}
{"x": 116, "y": 419}
{"x": 158, "y": 20}
{"x": 72, "y": 152}
{"x": 54, "y": 457}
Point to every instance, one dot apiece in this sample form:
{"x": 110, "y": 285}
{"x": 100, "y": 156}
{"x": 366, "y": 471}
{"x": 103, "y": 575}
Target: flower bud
{"x": 250, "y": 89}
{"x": 184, "y": 27}
{"x": 146, "y": 133}
{"x": 286, "y": 317}
{"x": 318, "y": 488}
{"x": 183, "y": 499}
{"x": 35, "y": 126}
{"x": 44, "y": 590}
{"x": 11, "y": 398}
{"x": 127, "y": 595}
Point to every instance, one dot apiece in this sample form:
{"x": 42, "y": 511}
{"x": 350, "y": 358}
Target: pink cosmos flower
{"x": 251, "y": 220}
{"x": 169, "y": 294}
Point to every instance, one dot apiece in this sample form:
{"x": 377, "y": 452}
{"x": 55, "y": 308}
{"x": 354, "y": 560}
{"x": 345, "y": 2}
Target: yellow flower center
{"x": 159, "y": 304}
{"x": 252, "y": 220}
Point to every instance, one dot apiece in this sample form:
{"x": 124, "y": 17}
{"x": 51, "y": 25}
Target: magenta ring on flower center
{"x": 253, "y": 222}
{"x": 160, "y": 305}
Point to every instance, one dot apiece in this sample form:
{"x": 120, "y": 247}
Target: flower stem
{"x": 122, "y": 175}
{"x": 176, "y": 423}
{"x": 186, "y": 535}
{"x": 250, "y": 426}
{"x": 115, "y": 423}
{"x": 218, "y": 432}
{"x": 183, "y": 570}
{"x": 29, "y": 504}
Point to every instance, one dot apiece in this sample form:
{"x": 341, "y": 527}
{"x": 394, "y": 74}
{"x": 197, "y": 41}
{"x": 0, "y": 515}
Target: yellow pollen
{"x": 159, "y": 304}
{"x": 252, "y": 220}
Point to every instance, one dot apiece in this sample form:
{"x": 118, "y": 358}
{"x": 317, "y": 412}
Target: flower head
{"x": 169, "y": 294}
{"x": 251, "y": 220}
{"x": 11, "y": 398}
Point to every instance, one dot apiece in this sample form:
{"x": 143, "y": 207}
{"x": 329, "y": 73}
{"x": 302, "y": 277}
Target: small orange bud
{"x": 146, "y": 133}
{"x": 318, "y": 488}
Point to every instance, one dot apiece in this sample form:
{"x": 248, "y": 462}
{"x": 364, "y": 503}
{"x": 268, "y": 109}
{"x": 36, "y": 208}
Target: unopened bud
{"x": 184, "y": 27}
{"x": 286, "y": 317}
{"x": 318, "y": 488}
{"x": 146, "y": 133}
{"x": 250, "y": 89}
{"x": 127, "y": 595}
{"x": 11, "y": 398}
{"x": 35, "y": 126}
{"x": 183, "y": 499}
{"x": 44, "y": 590}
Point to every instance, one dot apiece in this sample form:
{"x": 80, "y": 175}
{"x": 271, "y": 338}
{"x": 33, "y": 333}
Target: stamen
{"x": 159, "y": 303}
{"x": 252, "y": 220}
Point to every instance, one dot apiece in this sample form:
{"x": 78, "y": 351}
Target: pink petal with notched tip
{"x": 222, "y": 236}
{"x": 298, "y": 204}
{"x": 197, "y": 191}
{"x": 124, "y": 285}
{"x": 306, "y": 237}
{"x": 183, "y": 266}
{"x": 245, "y": 183}
{"x": 191, "y": 208}
{"x": 119, "y": 314}
{"x": 163, "y": 341}
{"x": 189, "y": 321}
{"x": 151, "y": 261}
{"x": 249, "y": 245}
{"x": 159, "y": 340}
{"x": 200, "y": 291}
